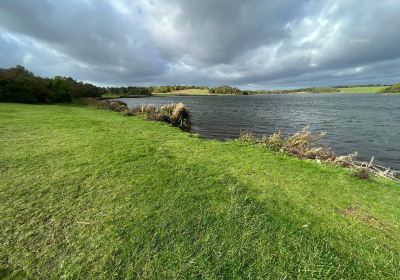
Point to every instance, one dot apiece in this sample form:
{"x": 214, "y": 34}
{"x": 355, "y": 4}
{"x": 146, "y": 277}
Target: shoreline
{"x": 307, "y": 150}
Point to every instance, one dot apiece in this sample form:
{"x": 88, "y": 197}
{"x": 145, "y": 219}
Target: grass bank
{"x": 88, "y": 193}
{"x": 366, "y": 89}
{"x": 184, "y": 92}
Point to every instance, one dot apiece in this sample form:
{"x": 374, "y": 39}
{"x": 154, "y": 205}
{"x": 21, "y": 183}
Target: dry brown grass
{"x": 174, "y": 113}
{"x": 302, "y": 144}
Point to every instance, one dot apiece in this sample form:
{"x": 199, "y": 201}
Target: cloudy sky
{"x": 246, "y": 43}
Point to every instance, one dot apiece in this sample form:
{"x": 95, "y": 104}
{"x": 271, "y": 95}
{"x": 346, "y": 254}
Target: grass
{"x": 372, "y": 89}
{"x": 110, "y": 95}
{"x": 184, "y": 92}
{"x": 114, "y": 96}
{"x": 91, "y": 194}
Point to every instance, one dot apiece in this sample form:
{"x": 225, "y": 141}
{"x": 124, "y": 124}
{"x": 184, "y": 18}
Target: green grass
{"x": 184, "y": 92}
{"x": 114, "y": 95}
{"x": 110, "y": 95}
{"x": 375, "y": 89}
{"x": 90, "y": 194}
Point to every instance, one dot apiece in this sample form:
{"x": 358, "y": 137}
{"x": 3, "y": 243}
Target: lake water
{"x": 366, "y": 123}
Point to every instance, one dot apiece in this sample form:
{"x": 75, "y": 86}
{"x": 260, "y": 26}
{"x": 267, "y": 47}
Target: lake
{"x": 366, "y": 123}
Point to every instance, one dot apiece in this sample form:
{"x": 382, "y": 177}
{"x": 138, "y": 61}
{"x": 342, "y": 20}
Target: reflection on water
{"x": 366, "y": 123}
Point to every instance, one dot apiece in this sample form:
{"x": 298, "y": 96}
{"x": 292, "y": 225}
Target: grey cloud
{"x": 253, "y": 43}
{"x": 91, "y": 32}
{"x": 217, "y": 31}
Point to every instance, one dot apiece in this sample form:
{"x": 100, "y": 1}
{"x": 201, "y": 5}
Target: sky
{"x": 252, "y": 44}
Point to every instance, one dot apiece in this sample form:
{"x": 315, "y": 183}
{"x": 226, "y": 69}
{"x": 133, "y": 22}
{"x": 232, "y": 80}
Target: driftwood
{"x": 376, "y": 169}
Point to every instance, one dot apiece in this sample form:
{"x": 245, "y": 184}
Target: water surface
{"x": 367, "y": 123}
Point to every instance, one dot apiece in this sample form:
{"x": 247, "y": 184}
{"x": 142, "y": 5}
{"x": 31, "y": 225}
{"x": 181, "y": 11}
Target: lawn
{"x": 91, "y": 194}
{"x": 377, "y": 89}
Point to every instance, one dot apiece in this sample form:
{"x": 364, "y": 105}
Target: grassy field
{"x": 91, "y": 194}
{"x": 184, "y": 92}
{"x": 377, "y": 89}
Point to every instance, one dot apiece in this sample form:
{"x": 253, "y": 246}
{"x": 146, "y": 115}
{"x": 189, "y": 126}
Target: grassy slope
{"x": 86, "y": 193}
{"x": 184, "y": 92}
{"x": 363, "y": 89}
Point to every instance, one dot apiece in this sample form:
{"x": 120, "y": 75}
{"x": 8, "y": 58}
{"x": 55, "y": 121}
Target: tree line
{"x": 17, "y": 84}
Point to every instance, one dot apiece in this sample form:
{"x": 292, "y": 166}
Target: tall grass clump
{"x": 303, "y": 144}
{"x": 175, "y": 113}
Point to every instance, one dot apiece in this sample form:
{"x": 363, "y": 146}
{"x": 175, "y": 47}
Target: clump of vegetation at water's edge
{"x": 302, "y": 144}
{"x": 362, "y": 173}
{"x": 393, "y": 89}
{"x": 113, "y": 105}
{"x": 175, "y": 114}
